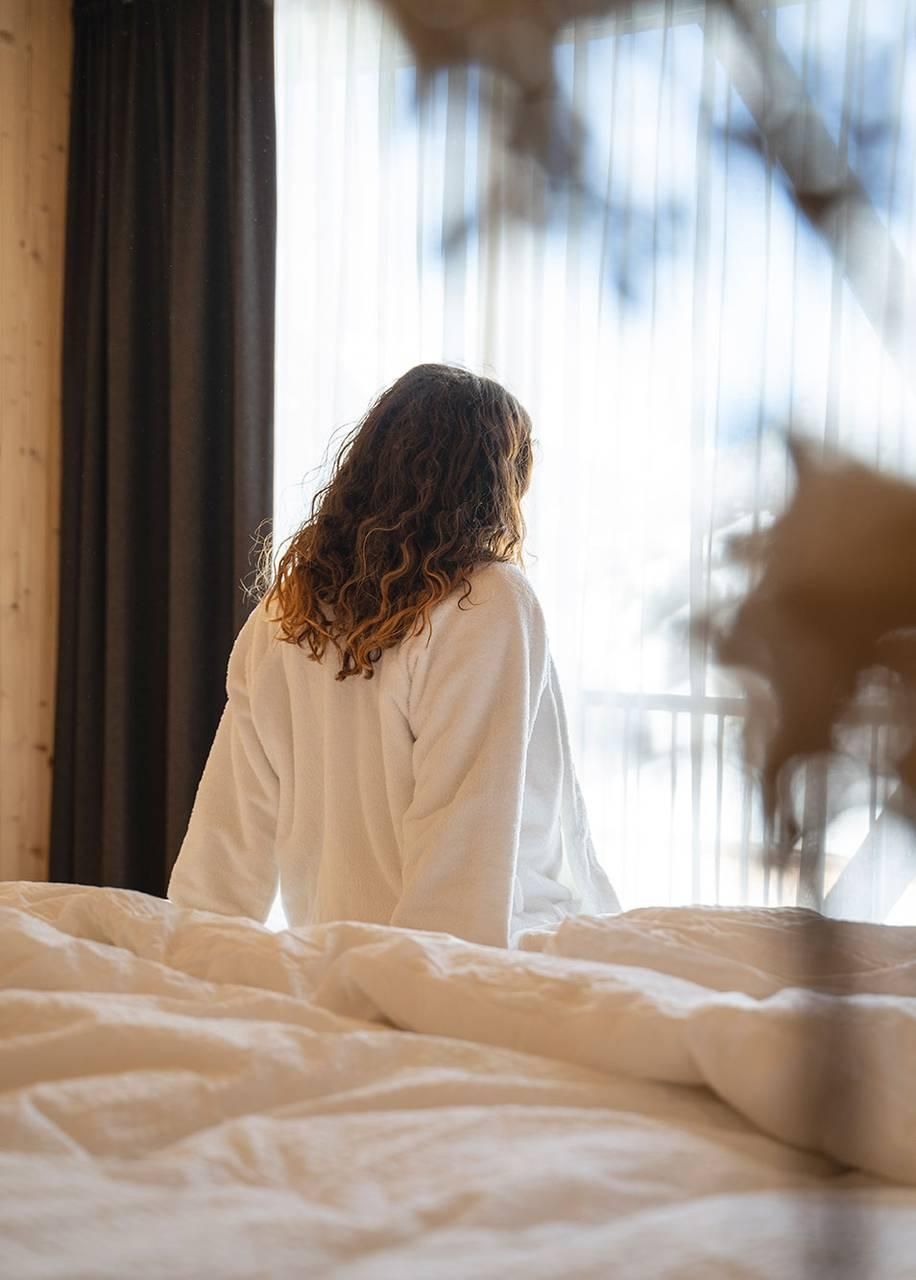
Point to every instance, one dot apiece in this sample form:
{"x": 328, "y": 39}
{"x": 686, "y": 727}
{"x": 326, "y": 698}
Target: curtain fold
{"x": 167, "y": 455}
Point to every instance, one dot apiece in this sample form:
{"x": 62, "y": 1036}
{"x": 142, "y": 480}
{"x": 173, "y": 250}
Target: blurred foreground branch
{"x": 833, "y": 609}
{"x": 514, "y": 40}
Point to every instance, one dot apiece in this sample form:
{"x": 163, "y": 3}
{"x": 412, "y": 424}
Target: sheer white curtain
{"x": 654, "y": 346}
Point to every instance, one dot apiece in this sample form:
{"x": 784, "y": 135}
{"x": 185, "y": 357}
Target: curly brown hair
{"x": 426, "y": 487}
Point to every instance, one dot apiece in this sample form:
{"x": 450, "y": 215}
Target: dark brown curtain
{"x": 167, "y": 413}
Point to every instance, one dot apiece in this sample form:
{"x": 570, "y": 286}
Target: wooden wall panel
{"x": 35, "y": 44}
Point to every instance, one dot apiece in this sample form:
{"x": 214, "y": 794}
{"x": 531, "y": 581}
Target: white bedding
{"x": 187, "y": 1096}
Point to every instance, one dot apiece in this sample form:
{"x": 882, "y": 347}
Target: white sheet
{"x": 184, "y": 1095}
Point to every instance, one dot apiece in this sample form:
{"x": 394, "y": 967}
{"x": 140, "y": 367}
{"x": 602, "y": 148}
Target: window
{"x": 658, "y": 329}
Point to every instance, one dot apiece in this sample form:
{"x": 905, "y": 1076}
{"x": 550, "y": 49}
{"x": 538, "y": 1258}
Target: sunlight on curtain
{"x": 656, "y": 350}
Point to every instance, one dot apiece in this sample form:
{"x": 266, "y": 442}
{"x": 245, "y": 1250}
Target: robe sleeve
{"x": 227, "y": 861}
{"x": 475, "y": 690}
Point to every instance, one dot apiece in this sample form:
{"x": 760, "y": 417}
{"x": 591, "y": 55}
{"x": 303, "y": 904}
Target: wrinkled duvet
{"x": 669, "y": 1093}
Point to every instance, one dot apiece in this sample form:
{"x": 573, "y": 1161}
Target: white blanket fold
{"x": 623, "y": 1067}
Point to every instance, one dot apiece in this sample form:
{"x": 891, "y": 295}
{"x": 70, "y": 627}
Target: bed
{"x": 183, "y": 1095}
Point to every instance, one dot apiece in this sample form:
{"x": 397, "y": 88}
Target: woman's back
{"x": 438, "y": 795}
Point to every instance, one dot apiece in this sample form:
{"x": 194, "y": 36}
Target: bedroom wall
{"x": 34, "y": 104}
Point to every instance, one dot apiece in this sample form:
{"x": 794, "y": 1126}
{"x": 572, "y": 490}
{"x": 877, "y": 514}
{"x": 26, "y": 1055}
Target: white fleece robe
{"x": 438, "y": 795}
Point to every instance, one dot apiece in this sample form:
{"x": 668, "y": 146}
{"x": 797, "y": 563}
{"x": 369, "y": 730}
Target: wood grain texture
{"x": 35, "y": 47}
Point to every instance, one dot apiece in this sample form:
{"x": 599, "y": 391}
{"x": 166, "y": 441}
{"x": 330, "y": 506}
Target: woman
{"x": 394, "y": 746}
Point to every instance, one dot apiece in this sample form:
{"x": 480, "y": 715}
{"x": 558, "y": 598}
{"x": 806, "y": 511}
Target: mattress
{"x": 670, "y": 1093}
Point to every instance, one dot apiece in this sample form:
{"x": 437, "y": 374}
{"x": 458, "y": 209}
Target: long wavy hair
{"x": 426, "y": 488}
